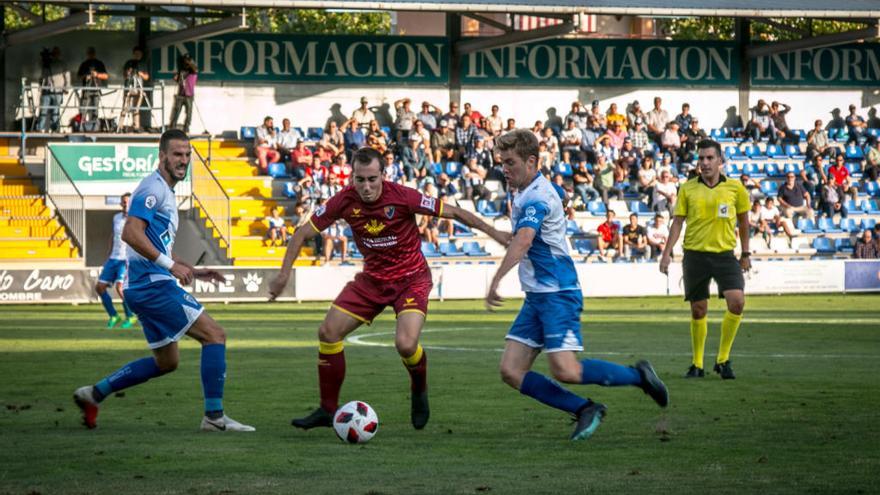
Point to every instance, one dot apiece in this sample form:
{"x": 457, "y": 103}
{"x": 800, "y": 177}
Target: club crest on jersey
{"x": 428, "y": 202}
{"x": 150, "y": 202}
{"x": 723, "y": 211}
{"x": 389, "y": 212}
{"x": 374, "y": 227}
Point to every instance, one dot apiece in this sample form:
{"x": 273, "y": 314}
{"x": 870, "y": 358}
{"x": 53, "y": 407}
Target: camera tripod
{"x": 134, "y": 99}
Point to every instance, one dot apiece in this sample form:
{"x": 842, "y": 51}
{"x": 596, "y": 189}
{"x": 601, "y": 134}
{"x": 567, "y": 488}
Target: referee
{"x": 712, "y": 205}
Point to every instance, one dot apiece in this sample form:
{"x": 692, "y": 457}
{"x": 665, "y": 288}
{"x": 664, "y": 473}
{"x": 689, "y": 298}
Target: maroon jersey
{"x": 385, "y": 231}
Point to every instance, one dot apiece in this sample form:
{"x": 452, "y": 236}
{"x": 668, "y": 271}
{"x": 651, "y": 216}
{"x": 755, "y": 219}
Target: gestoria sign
{"x": 557, "y": 62}
{"x": 106, "y": 169}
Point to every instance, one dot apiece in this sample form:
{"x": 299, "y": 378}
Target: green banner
{"x": 106, "y": 169}
{"x": 360, "y": 60}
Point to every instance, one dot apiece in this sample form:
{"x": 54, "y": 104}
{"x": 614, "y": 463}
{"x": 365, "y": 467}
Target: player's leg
{"x": 104, "y": 281}
{"x": 731, "y": 283}
{"x": 211, "y": 335}
{"x": 411, "y": 307}
{"x": 130, "y": 317}
{"x": 697, "y": 274}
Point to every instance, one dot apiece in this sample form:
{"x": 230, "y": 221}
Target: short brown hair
{"x": 365, "y": 156}
{"x": 522, "y": 141}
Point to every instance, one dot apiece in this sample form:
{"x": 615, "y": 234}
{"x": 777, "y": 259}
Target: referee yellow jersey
{"x": 710, "y": 213}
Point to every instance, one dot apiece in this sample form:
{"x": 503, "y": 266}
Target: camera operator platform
{"x": 134, "y": 97}
{"x": 93, "y": 76}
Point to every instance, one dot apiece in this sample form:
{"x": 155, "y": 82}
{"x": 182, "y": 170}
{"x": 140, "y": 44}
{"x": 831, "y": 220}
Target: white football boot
{"x": 224, "y": 424}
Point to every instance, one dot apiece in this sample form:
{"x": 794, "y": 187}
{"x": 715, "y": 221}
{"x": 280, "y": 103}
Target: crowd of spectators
{"x": 591, "y": 154}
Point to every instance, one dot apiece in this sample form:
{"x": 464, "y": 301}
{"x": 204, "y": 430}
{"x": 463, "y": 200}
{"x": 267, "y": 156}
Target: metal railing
{"x": 210, "y": 195}
{"x": 67, "y": 200}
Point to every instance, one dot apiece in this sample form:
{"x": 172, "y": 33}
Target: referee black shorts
{"x": 701, "y": 267}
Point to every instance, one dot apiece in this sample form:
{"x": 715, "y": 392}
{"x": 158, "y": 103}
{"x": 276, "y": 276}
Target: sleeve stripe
{"x": 313, "y": 225}
{"x": 440, "y": 211}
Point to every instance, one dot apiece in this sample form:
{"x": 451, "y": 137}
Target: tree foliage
{"x": 722, "y": 28}
{"x": 311, "y": 21}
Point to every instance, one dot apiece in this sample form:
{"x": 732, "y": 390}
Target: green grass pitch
{"x": 802, "y": 416}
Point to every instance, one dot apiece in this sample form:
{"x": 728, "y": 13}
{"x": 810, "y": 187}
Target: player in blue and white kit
{"x": 113, "y": 272}
{"x": 550, "y": 316}
{"x": 166, "y": 311}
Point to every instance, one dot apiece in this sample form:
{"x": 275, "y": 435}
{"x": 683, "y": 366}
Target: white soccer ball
{"x": 355, "y": 422}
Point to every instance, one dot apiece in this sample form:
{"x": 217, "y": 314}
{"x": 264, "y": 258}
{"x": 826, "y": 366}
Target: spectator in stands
{"x": 670, "y": 141}
{"x": 657, "y": 119}
{"x": 494, "y": 123}
{"x": 783, "y": 133}
{"x": 794, "y": 198}
{"x": 603, "y": 180}
{"x": 332, "y": 186}
{"x": 405, "y": 120}
{"x": 452, "y": 117}
{"x": 866, "y": 248}
{"x": 363, "y": 115}
{"x": 392, "y": 170}
{"x": 666, "y": 165}
{"x": 876, "y": 236}
{"x": 583, "y": 184}
{"x": 341, "y": 169}
{"x": 429, "y": 230}
{"x": 266, "y": 145}
{"x": 309, "y": 192}
{"x": 818, "y": 143}
{"x": 640, "y": 137}
{"x": 855, "y": 127}
{"x": 684, "y": 118}
{"x": 603, "y": 147}
{"x": 186, "y": 76}
{"x": 511, "y": 126}
{"x": 576, "y": 115}
{"x": 443, "y": 138}
{"x": 597, "y": 113}
{"x": 538, "y": 130}
{"x": 665, "y": 194}
{"x": 753, "y": 186}
{"x": 631, "y": 158}
{"x": 693, "y": 135}
{"x": 871, "y": 173}
{"x": 352, "y": 136}
{"x": 771, "y": 214}
{"x": 634, "y": 238}
{"x": 299, "y": 215}
{"x": 842, "y": 179}
{"x": 287, "y": 139}
{"x": 571, "y": 140}
{"x": 465, "y": 137}
{"x": 545, "y": 159}
{"x": 475, "y": 116}
{"x": 317, "y": 172}
{"x": 429, "y": 116}
{"x": 609, "y": 236}
{"x": 414, "y": 160}
{"x": 761, "y": 125}
{"x": 757, "y": 225}
{"x": 93, "y": 75}
{"x": 276, "y": 235}
{"x": 633, "y": 114}
{"x": 832, "y": 201}
{"x": 335, "y": 236}
{"x": 617, "y": 133}
{"x": 589, "y": 136}
{"x": 647, "y": 179}
{"x": 333, "y": 139}
{"x": 446, "y": 189}
{"x": 482, "y": 154}
{"x": 376, "y": 137}
{"x": 657, "y": 234}
{"x": 552, "y": 143}
{"x": 300, "y": 159}
{"x": 612, "y": 116}
{"x": 473, "y": 175}
{"x": 809, "y": 182}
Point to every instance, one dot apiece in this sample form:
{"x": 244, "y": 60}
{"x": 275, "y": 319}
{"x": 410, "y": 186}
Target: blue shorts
{"x": 550, "y": 321}
{"x": 113, "y": 271}
{"x": 165, "y": 311}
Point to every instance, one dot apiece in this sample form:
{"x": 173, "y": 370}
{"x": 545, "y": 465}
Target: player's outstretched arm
{"x": 519, "y": 245}
{"x": 674, "y": 233}
{"x": 302, "y": 233}
{"x": 475, "y": 222}
{"x": 134, "y": 234}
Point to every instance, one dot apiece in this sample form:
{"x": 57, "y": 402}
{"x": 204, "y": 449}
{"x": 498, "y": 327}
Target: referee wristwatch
{"x": 745, "y": 254}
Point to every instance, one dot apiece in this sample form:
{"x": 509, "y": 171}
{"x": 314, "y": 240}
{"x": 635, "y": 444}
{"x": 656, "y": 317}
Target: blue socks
{"x": 547, "y": 391}
{"x": 213, "y": 378}
{"x": 133, "y": 373}
{"x": 107, "y": 301}
{"x": 598, "y": 372}
{"x": 128, "y": 311}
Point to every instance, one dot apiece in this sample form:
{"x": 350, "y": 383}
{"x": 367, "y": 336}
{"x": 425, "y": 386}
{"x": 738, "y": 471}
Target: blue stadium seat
{"x": 300, "y": 131}
{"x": 289, "y": 190}
{"x": 429, "y": 250}
{"x": 794, "y": 168}
{"x": 872, "y": 189}
{"x": 752, "y": 151}
{"x": 453, "y": 169}
{"x": 775, "y": 151}
{"x": 278, "y": 170}
{"x": 868, "y": 223}
{"x": 450, "y": 249}
{"x": 437, "y": 168}
{"x": 839, "y": 135}
{"x": 855, "y": 170}
{"x": 247, "y": 132}
{"x": 472, "y": 248}
{"x": 572, "y": 228}
{"x": 772, "y": 170}
{"x": 353, "y": 251}
{"x": 869, "y": 206}
{"x": 753, "y": 170}
{"x": 488, "y": 208}
{"x": 315, "y": 133}
{"x": 874, "y": 133}
{"x": 732, "y": 170}
{"x": 734, "y": 153}
{"x": 769, "y": 187}
{"x": 844, "y": 246}
{"x": 387, "y": 131}
{"x": 801, "y": 133}
{"x": 854, "y": 152}
{"x": 583, "y": 246}
{"x": 596, "y": 208}
{"x": 849, "y": 225}
{"x": 794, "y": 151}
{"x": 827, "y": 226}
{"x": 563, "y": 169}
{"x": 824, "y": 245}
{"x": 807, "y": 226}
{"x": 850, "y": 206}
{"x": 718, "y": 134}
{"x": 641, "y": 209}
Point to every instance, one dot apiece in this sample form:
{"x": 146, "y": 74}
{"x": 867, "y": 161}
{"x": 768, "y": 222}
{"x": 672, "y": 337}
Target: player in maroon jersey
{"x": 382, "y": 219}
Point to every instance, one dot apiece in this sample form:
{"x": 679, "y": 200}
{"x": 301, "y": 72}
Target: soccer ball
{"x": 355, "y": 422}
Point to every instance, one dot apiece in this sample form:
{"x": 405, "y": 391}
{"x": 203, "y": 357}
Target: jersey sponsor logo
{"x": 373, "y": 227}
{"x": 355, "y": 212}
{"x": 410, "y": 301}
{"x": 150, "y": 202}
{"x": 529, "y": 215}
{"x": 389, "y": 212}
{"x": 723, "y": 211}
{"x": 428, "y": 202}
{"x": 165, "y": 237}
{"x": 320, "y": 210}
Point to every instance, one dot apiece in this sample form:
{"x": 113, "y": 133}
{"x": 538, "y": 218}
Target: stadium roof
{"x": 859, "y": 9}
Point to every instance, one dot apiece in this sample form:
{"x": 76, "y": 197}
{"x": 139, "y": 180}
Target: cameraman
{"x": 186, "y": 76}
{"x": 135, "y": 75}
{"x": 92, "y": 75}
{"x": 54, "y": 79}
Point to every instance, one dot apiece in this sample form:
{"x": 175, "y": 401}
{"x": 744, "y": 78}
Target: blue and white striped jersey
{"x": 154, "y": 203}
{"x": 546, "y": 267}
